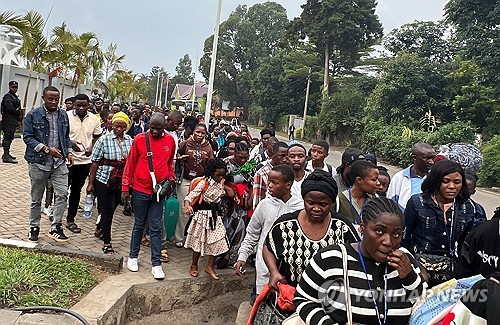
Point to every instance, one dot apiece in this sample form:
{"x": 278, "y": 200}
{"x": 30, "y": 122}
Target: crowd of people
{"x": 305, "y": 222}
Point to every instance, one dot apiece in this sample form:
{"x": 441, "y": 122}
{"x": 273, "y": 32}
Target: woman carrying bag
{"x": 384, "y": 279}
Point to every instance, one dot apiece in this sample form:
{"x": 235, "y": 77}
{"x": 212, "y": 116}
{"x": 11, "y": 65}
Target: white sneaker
{"x": 157, "y": 272}
{"x": 179, "y": 244}
{"x": 48, "y": 211}
{"x": 132, "y": 264}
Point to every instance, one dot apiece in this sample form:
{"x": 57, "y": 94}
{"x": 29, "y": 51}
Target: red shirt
{"x": 136, "y": 173}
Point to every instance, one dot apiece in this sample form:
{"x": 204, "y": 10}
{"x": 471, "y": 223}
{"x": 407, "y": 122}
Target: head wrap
{"x": 320, "y": 181}
{"x": 120, "y": 116}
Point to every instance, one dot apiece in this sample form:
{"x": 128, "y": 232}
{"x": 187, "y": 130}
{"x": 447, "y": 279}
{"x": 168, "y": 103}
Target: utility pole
{"x": 157, "y": 86}
{"x": 161, "y": 90}
{"x": 166, "y": 92}
{"x": 212, "y": 64}
{"x": 305, "y": 104}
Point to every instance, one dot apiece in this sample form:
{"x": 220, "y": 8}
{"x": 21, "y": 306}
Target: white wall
{"x": 21, "y": 75}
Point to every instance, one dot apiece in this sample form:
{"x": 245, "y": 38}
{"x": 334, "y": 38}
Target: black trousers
{"x": 108, "y": 199}
{"x": 9, "y": 128}
{"x": 76, "y": 179}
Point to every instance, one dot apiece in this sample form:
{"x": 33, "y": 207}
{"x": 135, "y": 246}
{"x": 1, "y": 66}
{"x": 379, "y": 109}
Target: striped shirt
{"x": 293, "y": 249}
{"x": 260, "y": 183}
{"x": 106, "y": 147}
{"x": 320, "y": 295}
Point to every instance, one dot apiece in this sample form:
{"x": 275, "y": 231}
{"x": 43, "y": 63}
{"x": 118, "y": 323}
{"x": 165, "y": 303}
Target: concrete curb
{"x": 129, "y": 296}
{"x": 111, "y": 263}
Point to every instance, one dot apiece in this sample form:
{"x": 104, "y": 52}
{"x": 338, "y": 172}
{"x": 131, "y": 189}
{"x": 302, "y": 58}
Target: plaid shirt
{"x": 106, "y": 147}
{"x": 260, "y": 183}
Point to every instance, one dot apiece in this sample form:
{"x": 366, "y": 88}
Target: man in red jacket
{"x": 146, "y": 206}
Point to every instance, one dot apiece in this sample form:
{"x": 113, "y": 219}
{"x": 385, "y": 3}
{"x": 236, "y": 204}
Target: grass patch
{"x": 36, "y": 279}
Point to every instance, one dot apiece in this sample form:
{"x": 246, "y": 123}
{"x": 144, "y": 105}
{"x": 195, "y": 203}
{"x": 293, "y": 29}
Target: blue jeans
{"x": 147, "y": 209}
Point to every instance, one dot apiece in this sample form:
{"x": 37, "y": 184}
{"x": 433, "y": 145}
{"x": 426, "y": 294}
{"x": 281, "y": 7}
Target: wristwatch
{"x": 46, "y": 149}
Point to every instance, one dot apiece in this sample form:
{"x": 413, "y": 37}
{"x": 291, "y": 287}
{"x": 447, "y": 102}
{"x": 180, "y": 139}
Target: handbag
{"x": 295, "y": 319}
{"x": 264, "y": 310}
{"x": 163, "y": 188}
{"x": 440, "y": 268}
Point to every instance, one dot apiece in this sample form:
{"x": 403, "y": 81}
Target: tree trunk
{"x": 326, "y": 78}
{"x": 36, "y": 90}
{"x": 62, "y": 88}
{"x": 27, "y": 90}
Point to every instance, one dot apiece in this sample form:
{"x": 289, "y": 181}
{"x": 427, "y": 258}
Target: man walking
{"x": 146, "y": 207}
{"x": 48, "y": 148}
{"x": 11, "y": 119}
{"x": 84, "y": 129}
{"x": 408, "y": 181}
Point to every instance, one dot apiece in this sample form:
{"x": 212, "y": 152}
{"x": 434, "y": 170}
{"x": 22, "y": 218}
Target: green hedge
{"x": 490, "y": 171}
{"x": 391, "y": 145}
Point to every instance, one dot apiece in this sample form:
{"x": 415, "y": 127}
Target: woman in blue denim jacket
{"x": 438, "y": 219}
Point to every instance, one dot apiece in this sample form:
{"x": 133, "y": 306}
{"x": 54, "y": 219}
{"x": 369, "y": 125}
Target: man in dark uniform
{"x": 11, "y": 117}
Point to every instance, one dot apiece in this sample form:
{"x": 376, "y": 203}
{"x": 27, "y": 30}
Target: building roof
{"x": 183, "y": 91}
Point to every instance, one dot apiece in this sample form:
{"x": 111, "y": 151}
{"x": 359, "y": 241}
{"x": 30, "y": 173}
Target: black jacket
{"x": 11, "y": 108}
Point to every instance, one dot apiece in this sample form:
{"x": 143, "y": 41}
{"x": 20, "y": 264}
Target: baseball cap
{"x": 349, "y": 156}
{"x": 13, "y": 84}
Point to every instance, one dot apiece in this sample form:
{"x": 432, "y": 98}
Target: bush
{"x": 298, "y": 133}
{"x": 311, "y": 128}
{"x": 489, "y": 175}
{"x": 389, "y": 143}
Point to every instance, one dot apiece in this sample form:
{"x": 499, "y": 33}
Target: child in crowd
{"x": 318, "y": 154}
{"x": 471, "y": 180}
{"x": 384, "y": 179}
{"x": 206, "y": 234}
{"x": 279, "y": 202}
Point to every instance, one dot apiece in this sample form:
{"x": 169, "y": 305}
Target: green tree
{"x": 248, "y": 37}
{"x": 476, "y": 27}
{"x": 184, "y": 70}
{"x": 472, "y": 100}
{"x": 34, "y": 49}
{"x": 427, "y": 39}
{"x": 11, "y": 21}
{"x": 340, "y": 30}
{"x": 407, "y": 88}
{"x": 289, "y": 69}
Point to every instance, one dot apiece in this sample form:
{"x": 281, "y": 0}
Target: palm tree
{"x": 112, "y": 62}
{"x": 13, "y": 22}
{"x": 62, "y": 44}
{"x": 34, "y": 49}
{"x": 88, "y": 57}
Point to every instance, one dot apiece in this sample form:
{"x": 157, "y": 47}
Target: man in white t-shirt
{"x": 297, "y": 160}
{"x": 319, "y": 152}
{"x": 84, "y": 129}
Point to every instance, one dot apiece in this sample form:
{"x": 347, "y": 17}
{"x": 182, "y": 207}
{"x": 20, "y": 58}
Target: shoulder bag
{"x": 163, "y": 188}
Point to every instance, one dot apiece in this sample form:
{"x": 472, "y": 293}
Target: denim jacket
{"x": 426, "y": 231}
{"x": 36, "y": 134}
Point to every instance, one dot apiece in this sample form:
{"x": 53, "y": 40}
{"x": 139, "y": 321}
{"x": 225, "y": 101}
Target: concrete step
{"x": 243, "y": 313}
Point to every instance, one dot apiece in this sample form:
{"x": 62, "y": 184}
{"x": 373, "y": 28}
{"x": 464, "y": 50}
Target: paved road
{"x": 488, "y": 199}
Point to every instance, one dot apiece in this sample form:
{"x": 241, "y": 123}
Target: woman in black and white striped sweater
{"x": 384, "y": 279}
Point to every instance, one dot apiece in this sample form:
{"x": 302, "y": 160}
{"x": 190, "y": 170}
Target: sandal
{"x": 73, "y": 228}
{"x": 98, "y": 232}
{"x": 164, "y": 256}
{"x": 108, "y": 249}
{"x": 194, "y": 271}
{"x": 145, "y": 241}
{"x": 210, "y": 271}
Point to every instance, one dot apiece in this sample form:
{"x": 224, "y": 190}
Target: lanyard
{"x": 375, "y": 305}
{"x": 353, "y": 210}
{"x": 452, "y": 222}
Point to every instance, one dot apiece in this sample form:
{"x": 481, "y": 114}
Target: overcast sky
{"x": 160, "y": 32}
